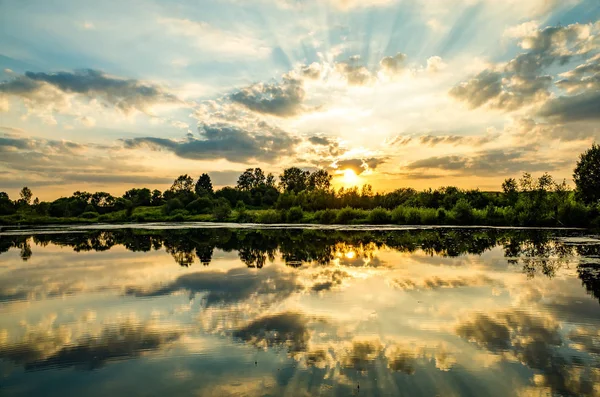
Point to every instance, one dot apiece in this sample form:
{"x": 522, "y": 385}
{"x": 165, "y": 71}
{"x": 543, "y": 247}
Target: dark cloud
{"x": 455, "y": 140}
{"x": 330, "y": 146}
{"x": 317, "y": 140}
{"x": 580, "y": 107}
{"x": 479, "y": 90}
{"x": 278, "y": 99}
{"x": 285, "y": 329}
{"x": 491, "y": 162}
{"x": 231, "y": 142}
{"x": 360, "y": 165}
{"x": 124, "y": 94}
{"x": 236, "y": 285}
{"x": 362, "y": 355}
{"x": 126, "y": 341}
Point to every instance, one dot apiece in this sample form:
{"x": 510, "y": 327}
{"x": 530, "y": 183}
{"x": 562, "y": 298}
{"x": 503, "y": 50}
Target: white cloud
{"x": 214, "y": 40}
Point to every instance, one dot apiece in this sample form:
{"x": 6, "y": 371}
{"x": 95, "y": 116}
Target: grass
{"x": 493, "y": 216}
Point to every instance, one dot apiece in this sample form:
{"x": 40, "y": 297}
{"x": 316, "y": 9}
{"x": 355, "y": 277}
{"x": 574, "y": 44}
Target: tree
{"x": 319, "y": 180}
{"x": 26, "y": 195}
{"x": 294, "y": 179}
{"x": 156, "y": 198}
{"x": 250, "y": 179}
{"x": 510, "y": 189}
{"x": 183, "y": 183}
{"x": 204, "y": 185}
{"x": 587, "y": 175}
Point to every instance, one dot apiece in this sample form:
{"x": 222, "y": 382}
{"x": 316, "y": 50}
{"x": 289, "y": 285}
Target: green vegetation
{"x": 305, "y": 197}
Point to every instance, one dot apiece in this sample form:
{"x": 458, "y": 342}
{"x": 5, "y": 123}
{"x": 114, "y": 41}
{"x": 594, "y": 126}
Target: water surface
{"x": 280, "y": 311}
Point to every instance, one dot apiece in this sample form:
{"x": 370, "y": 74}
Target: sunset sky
{"x": 422, "y": 93}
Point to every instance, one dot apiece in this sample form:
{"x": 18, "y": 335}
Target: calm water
{"x": 283, "y": 312}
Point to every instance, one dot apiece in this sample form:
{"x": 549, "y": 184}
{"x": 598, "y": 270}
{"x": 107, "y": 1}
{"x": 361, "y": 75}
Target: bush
{"x": 573, "y": 213}
{"x": 493, "y": 216}
{"x": 463, "y": 212}
{"x": 89, "y": 215}
{"x": 429, "y": 216}
{"x": 269, "y": 216}
{"x": 413, "y": 216}
{"x": 399, "y": 215}
{"x": 347, "y": 215}
{"x": 202, "y": 205}
{"x": 295, "y": 214}
{"x": 328, "y": 216}
{"x": 379, "y": 216}
{"x": 172, "y": 205}
{"x": 221, "y": 209}
{"x": 244, "y": 217}
{"x": 442, "y": 216}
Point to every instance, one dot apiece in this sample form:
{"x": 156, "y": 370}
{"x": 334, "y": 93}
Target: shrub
{"x": 442, "y": 216}
{"x": 328, "y": 216}
{"x": 172, "y": 205}
{"x": 244, "y": 217}
{"x": 463, "y": 212}
{"x": 89, "y": 215}
{"x": 346, "y": 215}
{"x": 269, "y": 216}
{"x": 202, "y": 205}
{"x": 221, "y": 209}
{"x": 379, "y": 216}
{"x": 295, "y": 214}
{"x": 413, "y": 216}
{"x": 573, "y": 213}
{"x": 429, "y": 216}
{"x": 399, "y": 215}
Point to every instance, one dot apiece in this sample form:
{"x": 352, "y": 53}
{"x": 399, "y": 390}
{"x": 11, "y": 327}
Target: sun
{"x": 350, "y": 177}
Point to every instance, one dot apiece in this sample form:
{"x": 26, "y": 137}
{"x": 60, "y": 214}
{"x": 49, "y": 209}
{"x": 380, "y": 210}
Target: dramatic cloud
{"x": 455, "y": 140}
{"x": 360, "y": 165}
{"x": 581, "y": 107}
{"x": 521, "y": 81}
{"x": 233, "y": 286}
{"x": 487, "y": 163}
{"x": 278, "y": 99}
{"x": 234, "y": 143}
{"x": 285, "y": 329}
{"x": 124, "y": 94}
{"x": 53, "y": 350}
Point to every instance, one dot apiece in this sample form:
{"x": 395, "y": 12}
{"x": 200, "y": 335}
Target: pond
{"x": 281, "y": 311}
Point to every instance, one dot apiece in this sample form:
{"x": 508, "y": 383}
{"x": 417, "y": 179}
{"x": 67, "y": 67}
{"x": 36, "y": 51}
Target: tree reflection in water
{"x": 537, "y": 251}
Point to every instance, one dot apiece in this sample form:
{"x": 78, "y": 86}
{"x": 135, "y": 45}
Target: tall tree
{"x": 26, "y": 195}
{"x": 183, "y": 183}
{"x": 319, "y": 180}
{"x": 587, "y": 175}
{"x": 294, "y": 179}
{"x": 204, "y": 185}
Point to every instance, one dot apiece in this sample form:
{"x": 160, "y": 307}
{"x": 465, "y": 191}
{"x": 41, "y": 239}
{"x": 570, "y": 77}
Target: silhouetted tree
{"x": 294, "y": 179}
{"x": 587, "y": 175}
{"x": 26, "y": 195}
{"x": 204, "y": 185}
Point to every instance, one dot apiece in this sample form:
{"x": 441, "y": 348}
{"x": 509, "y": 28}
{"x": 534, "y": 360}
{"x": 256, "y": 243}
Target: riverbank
{"x": 494, "y": 216}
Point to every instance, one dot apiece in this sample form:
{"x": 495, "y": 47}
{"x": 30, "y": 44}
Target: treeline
{"x": 304, "y": 196}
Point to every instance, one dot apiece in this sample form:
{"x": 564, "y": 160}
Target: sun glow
{"x": 350, "y": 177}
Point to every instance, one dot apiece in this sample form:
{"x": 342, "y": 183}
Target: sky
{"x": 105, "y": 96}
